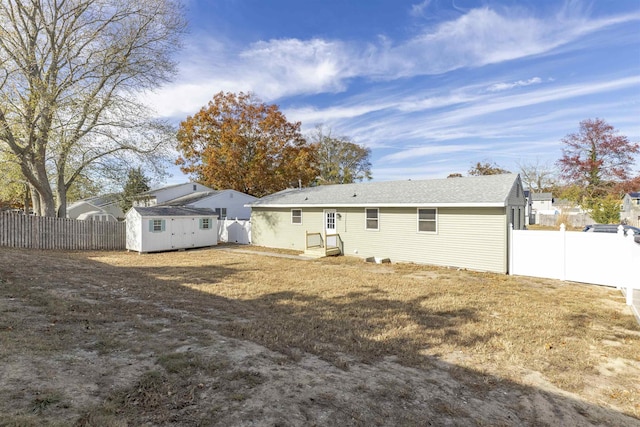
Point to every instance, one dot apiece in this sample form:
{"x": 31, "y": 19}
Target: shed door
{"x": 330, "y": 227}
{"x": 182, "y": 233}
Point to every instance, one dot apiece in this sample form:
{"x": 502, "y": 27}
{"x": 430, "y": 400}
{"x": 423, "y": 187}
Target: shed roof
{"x": 172, "y": 211}
{"x": 480, "y": 191}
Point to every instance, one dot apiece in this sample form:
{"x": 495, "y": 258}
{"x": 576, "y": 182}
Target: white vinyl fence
{"x": 599, "y": 258}
{"x": 234, "y": 231}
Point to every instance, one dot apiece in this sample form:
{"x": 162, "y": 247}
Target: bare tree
{"x": 72, "y": 73}
{"x": 486, "y": 168}
{"x": 340, "y": 160}
{"x": 537, "y": 176}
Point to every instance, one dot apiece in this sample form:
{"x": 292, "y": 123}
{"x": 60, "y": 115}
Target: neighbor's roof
{"x": 480, "y": 191}
{"x": 98, "y": 201}
{"x": 538, "y": 197}
{"x": 172, "y": 211}
{"x": 190, "y": 198}
{"x": 634, "y": 194}
{"x": 168, "y": 187}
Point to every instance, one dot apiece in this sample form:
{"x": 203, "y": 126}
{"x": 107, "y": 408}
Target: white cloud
{"x": 288, "y": 67}
{"x": 504, "y": 86}
{"x": 418, "y": 9}
{"x": 426, "y": 151}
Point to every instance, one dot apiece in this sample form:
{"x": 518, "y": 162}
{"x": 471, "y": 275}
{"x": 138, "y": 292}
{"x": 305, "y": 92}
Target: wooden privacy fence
{"x": 35, "y": 232}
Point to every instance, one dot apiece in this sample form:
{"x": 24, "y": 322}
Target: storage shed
{"x": 166, "y": 228}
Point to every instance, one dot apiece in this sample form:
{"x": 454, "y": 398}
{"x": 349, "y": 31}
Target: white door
{"x": 182, "y": 233}
{"x": 330, "y": 228}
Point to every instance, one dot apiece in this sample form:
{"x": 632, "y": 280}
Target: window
{"x": 427, "y": 220}
{"x": 371, "y": 219}
{"x": 296, "y": 216}
{"x": 221, "y": 213}
{"x": 205, "y": 223}
{"x": 156, "y": 225}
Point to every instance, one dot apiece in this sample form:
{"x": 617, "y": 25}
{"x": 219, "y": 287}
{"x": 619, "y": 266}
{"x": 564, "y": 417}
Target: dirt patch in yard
{"x": 217, "y": 337}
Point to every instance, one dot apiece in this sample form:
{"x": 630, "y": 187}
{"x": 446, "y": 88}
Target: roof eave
{"x": 381, "y": 205}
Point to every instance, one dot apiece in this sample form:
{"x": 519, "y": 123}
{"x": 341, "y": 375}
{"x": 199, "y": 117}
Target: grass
{"x": 157, "y": 311}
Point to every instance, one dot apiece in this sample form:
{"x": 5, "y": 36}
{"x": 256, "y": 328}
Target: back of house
{"x": 455, "y": 222}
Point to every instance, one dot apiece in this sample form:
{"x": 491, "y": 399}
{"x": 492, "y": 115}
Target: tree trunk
{"x": 35, "y": 200}
{"x": 61, "y": 197}
{"x": 27, "y": 197}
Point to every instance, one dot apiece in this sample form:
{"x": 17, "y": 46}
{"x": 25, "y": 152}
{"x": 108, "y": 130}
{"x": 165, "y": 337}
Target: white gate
{"x": 234, "y": 231}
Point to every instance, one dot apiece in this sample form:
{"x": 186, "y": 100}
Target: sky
{"x": 430, "y": 86}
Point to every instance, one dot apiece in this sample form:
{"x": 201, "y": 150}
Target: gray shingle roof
{"x": 491, "y": 190}
{"x": 189, "y": 198}
{"x": 541, "y": 196}
{"x": 172, "y": 211}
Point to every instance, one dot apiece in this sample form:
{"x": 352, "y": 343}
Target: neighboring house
{"x": 541, "y": 201}
{"x": 457, "y": 222}
{"x": 99, "y": 208}
{"x": 225, "y": 203}
{"x": 163, "y": 228}
{"x": 540, "y": 204}
{"x": 630, "y": 212}
{"x": 164, "y": 194}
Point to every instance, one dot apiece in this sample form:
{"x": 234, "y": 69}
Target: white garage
{"x": 166, "y": 228}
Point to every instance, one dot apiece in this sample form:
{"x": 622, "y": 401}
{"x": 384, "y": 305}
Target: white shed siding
{"x": 134, "y": 231}
{"x": 180, "y": 232}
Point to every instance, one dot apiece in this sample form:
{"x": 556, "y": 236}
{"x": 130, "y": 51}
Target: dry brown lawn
{"x": 221, "y": 337}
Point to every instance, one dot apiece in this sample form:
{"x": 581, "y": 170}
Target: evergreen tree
{"x": 136, "y": 183}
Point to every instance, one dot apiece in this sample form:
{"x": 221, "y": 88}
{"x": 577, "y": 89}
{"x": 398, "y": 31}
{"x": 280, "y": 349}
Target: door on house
{"x": 330, "y": 228}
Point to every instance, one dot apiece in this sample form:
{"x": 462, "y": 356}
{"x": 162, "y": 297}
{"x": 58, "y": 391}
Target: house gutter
{"x": 378, "y": 205}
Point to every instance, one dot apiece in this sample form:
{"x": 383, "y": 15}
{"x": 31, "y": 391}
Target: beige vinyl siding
{"x": 473, "y": 238}
{"x": 272, "y": 227}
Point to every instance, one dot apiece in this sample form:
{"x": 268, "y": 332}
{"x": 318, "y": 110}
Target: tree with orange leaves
{"x": 240, "y": 143}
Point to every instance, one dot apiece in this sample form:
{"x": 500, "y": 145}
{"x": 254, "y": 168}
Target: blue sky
{"x": 430, "y": 86}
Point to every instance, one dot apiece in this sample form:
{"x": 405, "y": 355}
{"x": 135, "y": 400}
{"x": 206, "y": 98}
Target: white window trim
{"x": 418, "y": 221}
{"x": 296, "y": 223}
{"x": 377, "y": 219}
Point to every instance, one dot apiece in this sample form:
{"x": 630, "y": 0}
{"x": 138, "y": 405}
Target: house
{"x": 539, "y": 204}
{"x": 630, "y": 213}
{"x": 99, "y": 208}
{"x": 164, "y": 194}
{"x": 225, "y": 203}
{"x": 163, "y": 228}
{"x": 461, "y": 222}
